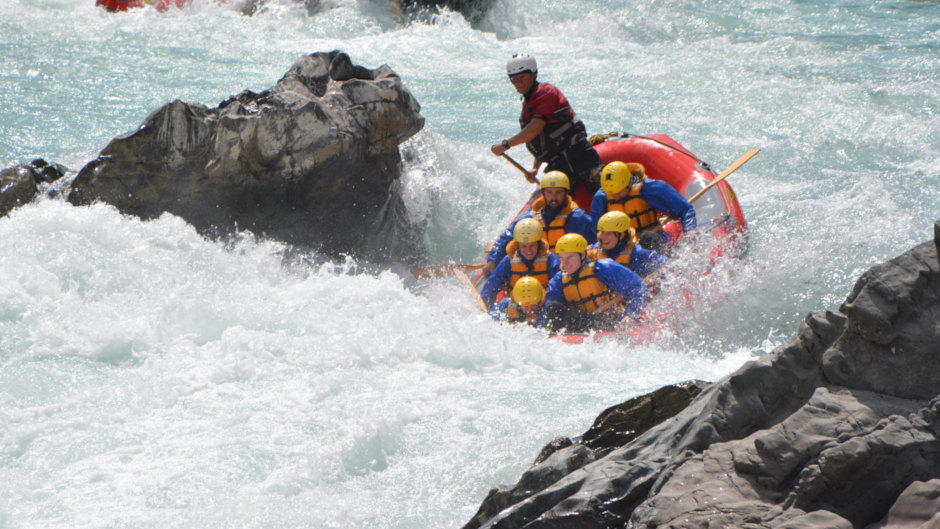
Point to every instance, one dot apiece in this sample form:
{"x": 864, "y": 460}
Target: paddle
{"x": 519, "y": 166}
{"x": 515, "y": 163}
{"x": 442, "y": 271}
{"x": 731, "y": 168}
{"x": 615, "y": 299}
{"x": 466, "y": 281}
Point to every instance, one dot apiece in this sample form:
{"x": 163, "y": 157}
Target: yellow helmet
{"x": 616, "y": 176}
{"x": 555, "y": 179}
{"x": 571, "y": 242}
{"x": 527, "y": 230}
{"x": 528, "y": 291}
{"x": 616, "y": 221}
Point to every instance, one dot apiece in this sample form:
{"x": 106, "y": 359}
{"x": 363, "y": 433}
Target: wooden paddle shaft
{"x": 515, "y": 163}
{"x": 466, "y": 281}
{"x": 732, "y": 168}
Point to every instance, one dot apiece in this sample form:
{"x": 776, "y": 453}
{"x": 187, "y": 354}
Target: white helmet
{"x": 521, "y": 62}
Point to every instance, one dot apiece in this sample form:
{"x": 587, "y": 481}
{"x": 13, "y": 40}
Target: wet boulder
{"x": 20, "y": 184}
{"x": 613, "y": 428}
{"x": 313, "y": 161}
{"x": 837, "y": 428}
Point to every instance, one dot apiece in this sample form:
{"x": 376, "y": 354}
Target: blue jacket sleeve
{"x": 498, "y": 310}
{"x": 540, "y": 321}
{"x": 598, "y": 207}
{"x": 579, "y": 222}
{"x": 665, "y": 198}
{"x": 555, "y": 292}
{"x": 554, "y": 265}
{"x": 499, "y": 247}
{"x": 645, "y": 262}
{"x": 554, "y": 271}
{"x": 496, "y": 282}
{"x": 626, "y": 283}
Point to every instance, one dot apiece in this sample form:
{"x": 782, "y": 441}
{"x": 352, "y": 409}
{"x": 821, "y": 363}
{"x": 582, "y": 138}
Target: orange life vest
{"x": 643, "y": 217}
{"x": 538, "y": 270}
{"x": 624, "y": 258}
{"x": 585, "y": 292}
{"x": 556, "y": 228}
{"x": 515, "y": 314}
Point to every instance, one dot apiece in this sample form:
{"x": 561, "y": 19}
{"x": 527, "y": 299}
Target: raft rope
{"x": 601, "y": 138}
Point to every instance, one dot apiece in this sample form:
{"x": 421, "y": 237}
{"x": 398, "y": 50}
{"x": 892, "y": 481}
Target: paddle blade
{"x": 724, "y": 174}
{"x": 462, "y": 276}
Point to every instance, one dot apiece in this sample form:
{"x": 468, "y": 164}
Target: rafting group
{"x": 563, "y": 270}
{"x": 575, "y": 271}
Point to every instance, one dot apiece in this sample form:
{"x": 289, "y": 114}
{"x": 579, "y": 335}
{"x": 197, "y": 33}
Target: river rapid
{"x": 152, "y": 378}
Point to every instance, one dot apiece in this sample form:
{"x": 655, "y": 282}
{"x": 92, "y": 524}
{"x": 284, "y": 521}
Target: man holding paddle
{"x": 550, "y": 129}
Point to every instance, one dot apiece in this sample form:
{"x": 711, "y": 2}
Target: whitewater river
{"x": 152, "y": 378}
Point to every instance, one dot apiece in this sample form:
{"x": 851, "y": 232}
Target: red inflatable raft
{"x": 718, "y": 213}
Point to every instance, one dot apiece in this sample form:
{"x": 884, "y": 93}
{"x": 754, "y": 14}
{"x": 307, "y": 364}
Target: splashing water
{"x": 152, "y": 378}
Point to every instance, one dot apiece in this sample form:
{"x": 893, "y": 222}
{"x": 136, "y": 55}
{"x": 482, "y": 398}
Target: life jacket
{"x": 586, "y": 293}
{"x": 515, "y": 314}
{"x": 643, "y": 217}
{"x": 520, "y": 269}
{"x": 556, "y": 228}
{"x": 623, "y": 257}
{"x": 563, "y": 130}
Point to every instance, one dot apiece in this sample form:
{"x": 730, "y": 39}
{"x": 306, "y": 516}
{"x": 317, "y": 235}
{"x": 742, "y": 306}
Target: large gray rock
{"x": 613, "y": 428}
{"x": 833, "y": 430}
{"x": 313, "y": 161}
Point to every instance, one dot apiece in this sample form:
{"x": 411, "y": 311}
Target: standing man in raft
{"x": 551, "y": 130}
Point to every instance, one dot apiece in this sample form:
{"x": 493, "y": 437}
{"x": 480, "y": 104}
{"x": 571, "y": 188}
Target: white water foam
{"x": 151, "y": 378}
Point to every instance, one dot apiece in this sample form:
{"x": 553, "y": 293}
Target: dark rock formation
{"x": 313, "y": 161}
{"x": 19, "y": 184}
{"x": 620, "y": 424}
{"x": 473, "y": 10}
{"x": 613, "y": 428}
{"x": 838, "y": 428}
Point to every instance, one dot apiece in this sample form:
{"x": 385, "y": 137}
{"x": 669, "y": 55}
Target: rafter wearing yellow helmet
{"x": 626, "y": 187}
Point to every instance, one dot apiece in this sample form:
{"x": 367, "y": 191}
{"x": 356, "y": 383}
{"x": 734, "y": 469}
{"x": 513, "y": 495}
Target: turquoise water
{"x": 151, "y": 378}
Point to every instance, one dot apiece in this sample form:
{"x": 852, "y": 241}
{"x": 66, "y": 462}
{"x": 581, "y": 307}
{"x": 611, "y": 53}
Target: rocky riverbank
{"x": 838, "y": 428}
